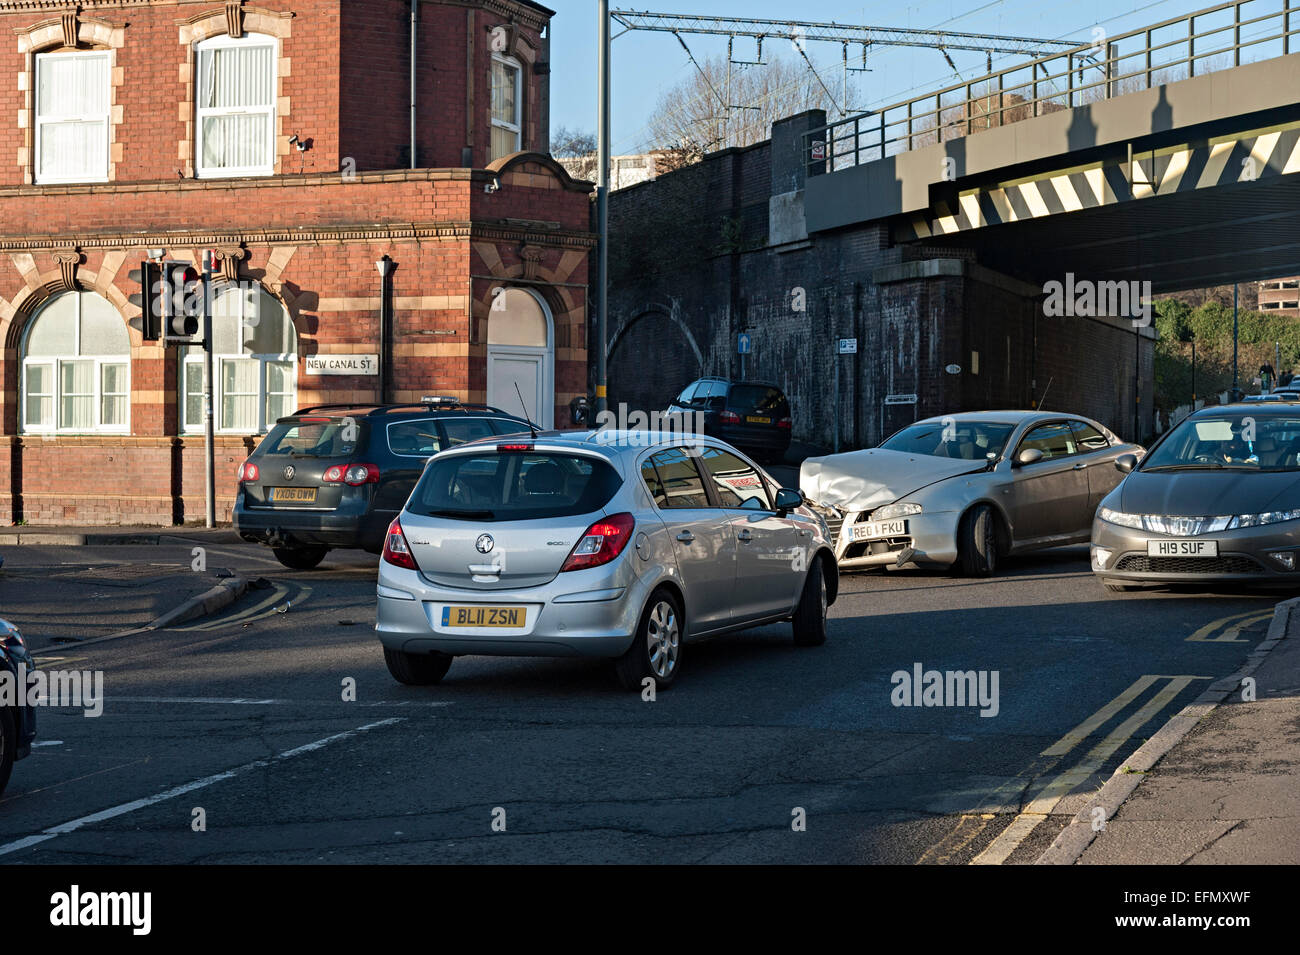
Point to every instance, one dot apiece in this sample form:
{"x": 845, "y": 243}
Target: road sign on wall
{"x": 848, "y": 346}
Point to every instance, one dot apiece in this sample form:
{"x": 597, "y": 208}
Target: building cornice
{"x": 525, "y": 14}
{"x": 546, "y": 234}
{"x": 452, "y": 174}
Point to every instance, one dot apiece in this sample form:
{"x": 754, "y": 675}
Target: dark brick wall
{"x": 690, "y": 262}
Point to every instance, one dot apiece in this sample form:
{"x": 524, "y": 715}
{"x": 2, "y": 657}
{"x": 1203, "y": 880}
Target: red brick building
{"x": 276, "y": 133}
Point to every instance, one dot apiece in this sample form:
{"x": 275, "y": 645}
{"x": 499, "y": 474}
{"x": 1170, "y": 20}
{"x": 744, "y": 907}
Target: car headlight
{"x": 891, "y": 511}
{"x": 1268, "y": 517}
{"x": 1120, "y": 518}
{"x": 9, "y": 634}
{"x": 1164, "y": 524}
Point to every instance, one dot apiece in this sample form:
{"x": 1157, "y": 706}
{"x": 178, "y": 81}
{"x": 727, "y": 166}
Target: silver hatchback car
{"x": 618, "y": 544}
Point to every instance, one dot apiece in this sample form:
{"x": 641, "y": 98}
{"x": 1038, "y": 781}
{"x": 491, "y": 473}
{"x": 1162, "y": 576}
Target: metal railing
{"x": 1165, "y": 52}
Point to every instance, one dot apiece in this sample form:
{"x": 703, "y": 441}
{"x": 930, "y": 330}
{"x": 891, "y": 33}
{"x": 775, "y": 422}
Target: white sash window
{"x": 72, "y": 116}
{"x": 507, "y": 106}
{"x": 235, "y": 97}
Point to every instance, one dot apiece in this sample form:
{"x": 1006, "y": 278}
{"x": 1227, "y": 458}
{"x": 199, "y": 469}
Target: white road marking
{"x": 48, "y": 742}
{"x": 254, "y": 701}
{"x": 128, "y": 807}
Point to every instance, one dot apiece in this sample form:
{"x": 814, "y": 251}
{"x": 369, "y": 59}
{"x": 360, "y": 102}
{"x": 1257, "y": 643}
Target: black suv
{"x": 749, "y": 415}
{"x": 17, "y": 719}
{"x": 337, "y": 475}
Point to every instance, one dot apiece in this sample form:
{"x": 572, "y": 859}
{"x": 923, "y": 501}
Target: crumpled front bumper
{"x": 932, "y": 537}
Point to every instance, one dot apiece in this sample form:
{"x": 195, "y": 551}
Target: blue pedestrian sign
{"x": 742, "y": 344}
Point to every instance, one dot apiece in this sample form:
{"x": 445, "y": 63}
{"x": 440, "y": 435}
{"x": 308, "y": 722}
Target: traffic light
{"x": 149, "y": 278}
{"x": 181, "y": 300}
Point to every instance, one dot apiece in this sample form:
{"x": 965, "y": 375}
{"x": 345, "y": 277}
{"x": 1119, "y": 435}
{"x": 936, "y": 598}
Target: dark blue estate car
{"x": 336, "y": 475}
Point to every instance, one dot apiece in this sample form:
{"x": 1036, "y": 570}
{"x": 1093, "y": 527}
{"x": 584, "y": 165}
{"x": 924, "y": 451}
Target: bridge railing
{"x": 1194, "y": 44}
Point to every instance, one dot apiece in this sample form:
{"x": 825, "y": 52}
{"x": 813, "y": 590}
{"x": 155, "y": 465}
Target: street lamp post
{"x": 602, "y": 208}
{"x": 1234, "y": 342}
{"x": 385, "y": 267}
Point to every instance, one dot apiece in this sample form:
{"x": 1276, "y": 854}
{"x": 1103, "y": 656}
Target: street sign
{"x": 343, "y": 365}
{"x": 953, "y": 369}
{"x": 743, "y": 344}
{"x": 848, "y": 346}
{"x": 900, "y": 399}
{"x": 818, "y": 149}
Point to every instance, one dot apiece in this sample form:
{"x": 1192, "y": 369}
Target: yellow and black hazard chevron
{"x": 1242, "y": 157}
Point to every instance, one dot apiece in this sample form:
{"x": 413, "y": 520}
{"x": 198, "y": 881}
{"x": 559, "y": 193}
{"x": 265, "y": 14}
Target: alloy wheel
{"x": 663, "y": 638}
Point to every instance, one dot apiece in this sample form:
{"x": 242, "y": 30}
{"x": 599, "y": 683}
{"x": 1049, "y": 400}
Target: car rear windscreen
{"x": 314, "y": 439}
{"x": 758, "y": 399}
{"x": 513, "y": 486}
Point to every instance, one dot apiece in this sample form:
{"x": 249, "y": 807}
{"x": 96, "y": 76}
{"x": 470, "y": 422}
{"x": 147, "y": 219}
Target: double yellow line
{"x": 1046, "y": 798}
{"x": 1232, "y": 627}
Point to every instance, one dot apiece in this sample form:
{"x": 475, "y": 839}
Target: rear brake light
{"x": 602, "y": 542}
{"x": 784, "y": 424}
{"x": 396, "y": 550}
{"x": 334, "y": 475}
{"x": 359, "y": 474}
{"x": 729, "y": 417}
{"x": 247, "y": 472}
{"x": 514, "y": 448}
{"x": 313, "y": 420}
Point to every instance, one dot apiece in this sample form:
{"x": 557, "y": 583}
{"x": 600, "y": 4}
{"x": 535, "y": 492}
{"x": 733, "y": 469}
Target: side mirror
{"x": 788, "y": 500}
{"x": 1126, "y": 463}
{"x": 1029, "y": 456}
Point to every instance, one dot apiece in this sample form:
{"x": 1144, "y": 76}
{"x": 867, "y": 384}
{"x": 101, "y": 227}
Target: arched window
{"x": 516, "y": 318}
{"x": 507, "y": 106}
{"x": 254, "y": 364}
{"x": 76, "y": 367}
{"x": 234, "y": 96}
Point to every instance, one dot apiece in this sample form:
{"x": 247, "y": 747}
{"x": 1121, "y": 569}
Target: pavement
{"x": 1226, "y": 792}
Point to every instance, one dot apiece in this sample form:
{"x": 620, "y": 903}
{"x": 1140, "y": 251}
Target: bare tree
{"x": 711, "y": 110}
{"x": 576, "y": 150}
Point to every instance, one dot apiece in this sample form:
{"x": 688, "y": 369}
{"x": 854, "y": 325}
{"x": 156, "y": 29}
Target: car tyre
{"x": 300, "y": 558}
{"x": 977, "y": 542}
{"x": 8, "y": 744}
{"x": 809, "y": 620}
{"x": 417, "y": 669}
{"x": 656, "y": 650}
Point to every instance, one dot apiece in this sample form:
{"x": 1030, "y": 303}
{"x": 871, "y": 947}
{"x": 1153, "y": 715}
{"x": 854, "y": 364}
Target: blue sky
{"x": 647, "y": 64}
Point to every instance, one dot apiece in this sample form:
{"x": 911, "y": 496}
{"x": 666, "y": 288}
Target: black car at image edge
{"x": 17, "y": 719}
{"x": 335, "y": 476}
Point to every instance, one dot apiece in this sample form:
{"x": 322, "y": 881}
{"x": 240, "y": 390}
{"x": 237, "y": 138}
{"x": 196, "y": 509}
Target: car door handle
{"x": 1078, "y": 467}
{"x": 745, "y": 535}
{"x": 686, "y": 537}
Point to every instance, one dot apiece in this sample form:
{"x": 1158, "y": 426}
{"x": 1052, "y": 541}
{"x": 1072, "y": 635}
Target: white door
{"x": 508, "y": 370}
{"x": 521, "y": 352}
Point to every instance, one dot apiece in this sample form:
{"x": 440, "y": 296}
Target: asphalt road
{"x": 240, "y": 722}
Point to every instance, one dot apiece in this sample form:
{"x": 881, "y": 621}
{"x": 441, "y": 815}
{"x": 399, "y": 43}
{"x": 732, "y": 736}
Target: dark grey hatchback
{"x": 1217, "y": 499}
{"x": 335, "y": 476}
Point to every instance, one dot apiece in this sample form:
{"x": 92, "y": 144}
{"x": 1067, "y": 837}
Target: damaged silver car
{"x": 966, "y": 489}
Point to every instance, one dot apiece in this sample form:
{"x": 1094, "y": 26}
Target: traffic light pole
{"x": 209, "y": 453}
